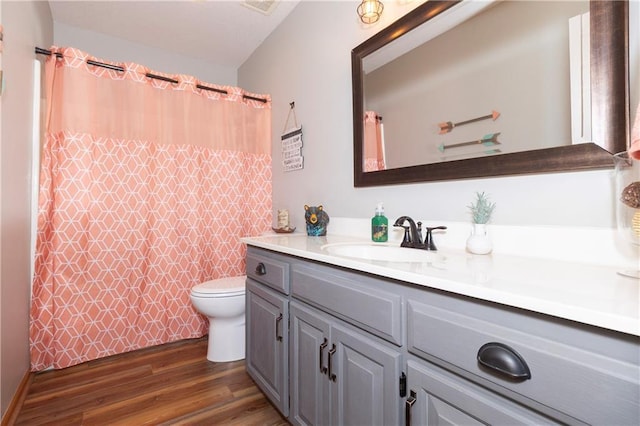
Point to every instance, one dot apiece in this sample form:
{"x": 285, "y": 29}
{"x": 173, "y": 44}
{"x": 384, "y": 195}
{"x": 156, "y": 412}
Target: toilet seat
{"x": 222, "y": 287}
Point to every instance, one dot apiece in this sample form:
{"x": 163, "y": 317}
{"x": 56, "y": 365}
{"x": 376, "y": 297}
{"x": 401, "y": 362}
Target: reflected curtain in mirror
{"x": 373, "y": 142}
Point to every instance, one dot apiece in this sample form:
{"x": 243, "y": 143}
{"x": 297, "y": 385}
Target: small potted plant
{"x": 481, "y": 211}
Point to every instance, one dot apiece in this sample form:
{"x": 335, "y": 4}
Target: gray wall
{"x": 26, "y": 24}
{"x": 115, "y": 49}
{"x": 307, "y": 60}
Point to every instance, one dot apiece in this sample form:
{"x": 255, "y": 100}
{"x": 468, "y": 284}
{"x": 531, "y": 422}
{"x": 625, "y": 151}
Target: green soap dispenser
{"x": 379, "y": 225}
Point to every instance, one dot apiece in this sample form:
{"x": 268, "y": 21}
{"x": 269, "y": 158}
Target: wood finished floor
{"x": 172, "y": 384}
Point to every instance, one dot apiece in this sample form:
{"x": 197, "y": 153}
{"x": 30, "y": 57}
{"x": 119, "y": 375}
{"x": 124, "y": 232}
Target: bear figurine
{"x": 317, "y": 220}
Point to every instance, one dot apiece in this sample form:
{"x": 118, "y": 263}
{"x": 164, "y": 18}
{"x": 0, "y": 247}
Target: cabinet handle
{"x": 278, "y": 334}
{"x": 324, "y": 344}
{"x": 503, "y": 360}
{"x": 332, "y": 376}
{"x": 407, "y": 408}
{"x": 261, "y": 269}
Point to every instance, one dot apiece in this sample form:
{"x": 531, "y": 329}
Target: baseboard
{"x": 10, "y": 416}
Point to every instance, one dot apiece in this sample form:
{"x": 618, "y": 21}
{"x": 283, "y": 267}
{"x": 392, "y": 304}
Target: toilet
{"x": 223, "y": 302}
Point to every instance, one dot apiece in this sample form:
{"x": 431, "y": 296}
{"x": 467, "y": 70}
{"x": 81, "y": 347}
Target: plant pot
{"x": 479, "y": 241}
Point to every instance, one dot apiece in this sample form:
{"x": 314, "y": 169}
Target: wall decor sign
{"x": 292, "y": 158}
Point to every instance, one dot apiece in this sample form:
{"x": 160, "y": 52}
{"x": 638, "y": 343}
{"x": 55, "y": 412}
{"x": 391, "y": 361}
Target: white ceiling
{"x": 224, "y": 32}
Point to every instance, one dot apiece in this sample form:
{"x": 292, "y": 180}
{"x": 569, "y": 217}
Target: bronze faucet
{"x": 413, "y": 234}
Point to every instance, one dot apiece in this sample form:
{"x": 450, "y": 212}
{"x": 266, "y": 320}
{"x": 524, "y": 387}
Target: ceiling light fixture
{"x": 263, "y": 6}
{"x": 370, "y": 11}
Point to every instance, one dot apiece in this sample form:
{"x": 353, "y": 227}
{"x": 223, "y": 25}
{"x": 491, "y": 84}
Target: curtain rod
{"x": 41, "y": 51}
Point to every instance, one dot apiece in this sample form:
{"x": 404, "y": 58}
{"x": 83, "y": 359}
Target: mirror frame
{"x": 609, "y": 96}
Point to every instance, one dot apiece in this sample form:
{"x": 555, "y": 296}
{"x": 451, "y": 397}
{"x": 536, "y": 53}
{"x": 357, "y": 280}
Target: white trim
{"x": 580, "y": 78}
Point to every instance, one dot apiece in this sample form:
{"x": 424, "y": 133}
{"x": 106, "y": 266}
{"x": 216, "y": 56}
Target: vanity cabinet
{"x": 346, "y": 361}
{"x": 333, "y": 346}
{"x": 572, "y": 373}
{"x": 267, "y": 337}
{"x": 266, "y": 356}
{"x": 339, "y": 375}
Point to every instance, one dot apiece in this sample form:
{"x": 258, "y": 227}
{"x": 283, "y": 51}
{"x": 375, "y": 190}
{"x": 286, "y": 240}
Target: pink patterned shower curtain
{"x": 146, "y": 187}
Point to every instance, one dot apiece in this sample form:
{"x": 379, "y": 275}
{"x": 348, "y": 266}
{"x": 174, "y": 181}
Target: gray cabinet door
{"x": 364, "y": 377}
{"x": 340, "y": 376}
{"x": 267, "y": 342}
{"x": 308, "y": 371}
{"x": 437, "y": 397}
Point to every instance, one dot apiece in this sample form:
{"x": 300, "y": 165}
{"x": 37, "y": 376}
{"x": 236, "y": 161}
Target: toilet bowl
{"x": 223, "y": 302}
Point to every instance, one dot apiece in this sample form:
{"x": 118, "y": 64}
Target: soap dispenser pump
{"x": 379, "y": 225}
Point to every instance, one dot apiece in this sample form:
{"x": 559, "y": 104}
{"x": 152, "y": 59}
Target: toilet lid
{"x": 222, "y": 287}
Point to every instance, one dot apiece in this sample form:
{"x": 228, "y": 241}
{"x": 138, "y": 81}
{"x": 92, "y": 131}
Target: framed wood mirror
{"x": 609, "y": 93}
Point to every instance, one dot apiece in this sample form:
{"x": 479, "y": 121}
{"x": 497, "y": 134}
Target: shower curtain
{"x": 373, "y": 142}
{"x": 146, "y": 187}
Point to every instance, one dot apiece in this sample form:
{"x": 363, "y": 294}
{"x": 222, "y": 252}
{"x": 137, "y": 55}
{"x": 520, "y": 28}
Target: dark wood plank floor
{"x": 171, "y": 384}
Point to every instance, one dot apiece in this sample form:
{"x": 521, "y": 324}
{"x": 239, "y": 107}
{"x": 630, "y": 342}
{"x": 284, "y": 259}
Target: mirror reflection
{"x": 484, "y": 79}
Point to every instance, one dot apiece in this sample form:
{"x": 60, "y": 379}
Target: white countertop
{"x": 588, "y": 293}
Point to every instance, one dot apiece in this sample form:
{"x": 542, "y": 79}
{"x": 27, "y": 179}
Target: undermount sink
{"x": 383, "y": 252}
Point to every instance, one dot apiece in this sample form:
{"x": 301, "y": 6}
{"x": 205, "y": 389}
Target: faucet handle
{"x": 406, "y": 240}
{"x": 419, "y": 234}
{"x": 428, "y": 240}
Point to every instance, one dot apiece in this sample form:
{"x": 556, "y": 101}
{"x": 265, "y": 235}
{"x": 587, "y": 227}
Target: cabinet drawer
{"x": 268, "y": 269}
{"x": 445, "y": 398}
{"x": 590, "y": 376}
{"x": 357, "y": 299}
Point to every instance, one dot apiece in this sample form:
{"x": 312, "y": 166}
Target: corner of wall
{"x": 26, "y": 24}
